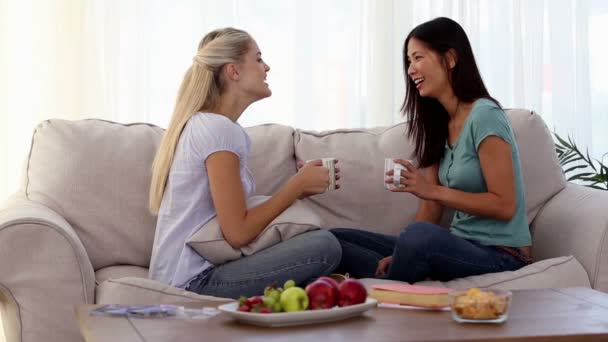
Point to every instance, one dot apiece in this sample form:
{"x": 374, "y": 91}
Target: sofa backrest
{"x": 272, "y": 156}
{"x": 543, "y": 175}
{"x": 361, "y": 201}
{"x": 96, "y": 174}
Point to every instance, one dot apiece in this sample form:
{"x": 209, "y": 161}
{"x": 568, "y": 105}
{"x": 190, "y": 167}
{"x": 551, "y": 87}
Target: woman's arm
{"x": 239, "y": 224}
{"x": 497, "y": 169}
{"x": 430, "y": 210}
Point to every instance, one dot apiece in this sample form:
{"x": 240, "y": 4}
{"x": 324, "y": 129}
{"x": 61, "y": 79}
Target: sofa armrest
{"x": 575, "y": 222}
{"x": 44, "y": 273}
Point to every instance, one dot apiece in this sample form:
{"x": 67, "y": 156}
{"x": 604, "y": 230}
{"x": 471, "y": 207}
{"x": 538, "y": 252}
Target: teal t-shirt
{"x": 460, "y": 169}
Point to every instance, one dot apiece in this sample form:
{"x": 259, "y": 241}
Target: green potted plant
{"x": 580, "y": 167}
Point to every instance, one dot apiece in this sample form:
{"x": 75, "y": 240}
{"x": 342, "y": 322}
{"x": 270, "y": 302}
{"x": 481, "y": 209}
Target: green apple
{"x": 289, "y": 283}
{"x": 294, "y": 299}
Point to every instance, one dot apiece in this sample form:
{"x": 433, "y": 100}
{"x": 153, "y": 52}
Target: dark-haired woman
{"x": 466, "y": 143}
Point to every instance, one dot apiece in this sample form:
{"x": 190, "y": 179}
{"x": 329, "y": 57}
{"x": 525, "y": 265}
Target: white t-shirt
{"x": 187, "y": 204}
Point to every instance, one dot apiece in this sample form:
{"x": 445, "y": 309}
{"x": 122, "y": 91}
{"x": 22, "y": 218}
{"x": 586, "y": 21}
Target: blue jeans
{"x": 422, "y": 251}
{"x": 302, "y": 258}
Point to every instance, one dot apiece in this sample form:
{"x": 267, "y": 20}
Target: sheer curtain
{"x": 548, "y": 56}
{"x": 333, "y": 63}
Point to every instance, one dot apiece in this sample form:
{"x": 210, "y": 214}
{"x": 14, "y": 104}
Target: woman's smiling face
{"x": 253, "y": 72}
{"x": 426, "y": 69}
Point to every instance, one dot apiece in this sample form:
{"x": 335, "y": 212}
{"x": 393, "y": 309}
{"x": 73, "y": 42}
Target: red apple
{"x": 352, "y": 292}
{"x": 321, "y": 295}
{"x": 332, "y": 281}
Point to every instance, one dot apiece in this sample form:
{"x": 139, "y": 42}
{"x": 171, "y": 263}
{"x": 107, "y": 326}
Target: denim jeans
{"x": 302, "y": 258}
{"x": 422, "y": 251}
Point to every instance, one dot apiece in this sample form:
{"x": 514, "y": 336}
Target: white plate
{"x": 282, "y": 319}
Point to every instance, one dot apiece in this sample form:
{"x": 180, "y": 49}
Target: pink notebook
{"x": 415, "y": 295}
{"x": 407, "y": 288}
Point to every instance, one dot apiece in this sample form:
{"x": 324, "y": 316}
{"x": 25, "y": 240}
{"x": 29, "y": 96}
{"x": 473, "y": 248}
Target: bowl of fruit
{"x": 321, "y": 301}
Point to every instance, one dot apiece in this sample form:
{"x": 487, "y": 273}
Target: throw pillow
{"x": 209, "y": 240}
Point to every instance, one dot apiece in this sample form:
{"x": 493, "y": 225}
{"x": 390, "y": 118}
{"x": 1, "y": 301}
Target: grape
{"x": 269, "y": 301}
{"x": 275, "y": 294}
{"x": 256, "y": 300}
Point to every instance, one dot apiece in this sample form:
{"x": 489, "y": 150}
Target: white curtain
{"x": 334, "y": 63}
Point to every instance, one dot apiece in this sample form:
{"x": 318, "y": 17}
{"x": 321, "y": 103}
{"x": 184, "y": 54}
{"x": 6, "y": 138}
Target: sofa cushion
{"x": 558, "y": 272}
{"x": 271, "y": 159}
{"x": 543, "y": 176}
{"x": 96, "y": 174}
{"x": 132, "y": 291}
{"x": 361, "y": 201}
{"x": 550, "y": 273}
{"x": 209, "y": 240}
{"x": 121, "y": 271}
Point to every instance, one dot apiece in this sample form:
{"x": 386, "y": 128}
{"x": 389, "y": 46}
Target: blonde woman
{"x": 200, "y": 172}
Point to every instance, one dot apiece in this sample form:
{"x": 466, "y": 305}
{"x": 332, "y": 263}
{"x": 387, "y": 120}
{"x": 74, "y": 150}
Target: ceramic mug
{"x": 330, "y": 164}
{"x": 389, "y": 164}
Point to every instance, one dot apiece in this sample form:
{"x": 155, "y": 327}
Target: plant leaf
{"x": 575, "y": 167}
{"x": 570, "y": 159}
{"x": 581, "y": 176}
{"x": 590, "y": 162}
{"x": 562, "y": 141}
{"x": 599, "y": 178}
{"x": 603, "y": 170}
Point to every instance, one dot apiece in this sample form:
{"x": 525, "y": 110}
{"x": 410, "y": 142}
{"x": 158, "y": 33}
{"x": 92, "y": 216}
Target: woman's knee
{"x": 344, "y": 233}
{"x": 326, "y": 244}
{"x": 420, "y": 235}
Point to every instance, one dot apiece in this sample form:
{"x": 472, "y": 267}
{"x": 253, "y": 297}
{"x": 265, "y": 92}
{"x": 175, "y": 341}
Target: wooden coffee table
{"x": 571, "y": 314}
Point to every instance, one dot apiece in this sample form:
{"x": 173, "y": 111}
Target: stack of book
{"x": 415, "y": 295}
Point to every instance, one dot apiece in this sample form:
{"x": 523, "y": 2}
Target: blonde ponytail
{"x": 200, "y": 90}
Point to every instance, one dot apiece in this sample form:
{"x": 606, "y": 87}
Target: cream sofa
{"x": 79, "y": 230}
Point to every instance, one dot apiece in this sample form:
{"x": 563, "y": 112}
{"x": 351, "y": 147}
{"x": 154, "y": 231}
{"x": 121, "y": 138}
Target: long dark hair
{"x": 427, "y": 118}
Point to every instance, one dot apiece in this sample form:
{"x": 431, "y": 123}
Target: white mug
{"x": 389, "y": 164}
{"x": 330, "y": 164}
